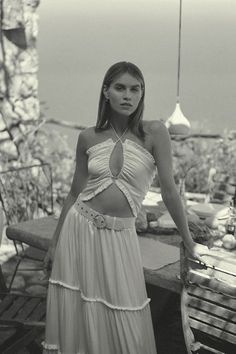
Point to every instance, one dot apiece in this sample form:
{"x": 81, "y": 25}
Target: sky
{"x": 80, "y": 39}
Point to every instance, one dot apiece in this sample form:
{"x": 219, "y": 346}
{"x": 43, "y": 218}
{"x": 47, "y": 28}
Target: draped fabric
{"x": 97, "y": 301}
{"x": 134, "y": 179}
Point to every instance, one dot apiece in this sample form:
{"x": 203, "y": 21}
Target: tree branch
{"x": 64, "y": 124}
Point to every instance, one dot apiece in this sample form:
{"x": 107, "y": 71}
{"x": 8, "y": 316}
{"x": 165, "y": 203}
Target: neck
{"x": 119, "y": 122}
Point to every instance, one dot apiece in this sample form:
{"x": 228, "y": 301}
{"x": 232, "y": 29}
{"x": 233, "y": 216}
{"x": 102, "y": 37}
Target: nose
{"x": 127, "y": 94}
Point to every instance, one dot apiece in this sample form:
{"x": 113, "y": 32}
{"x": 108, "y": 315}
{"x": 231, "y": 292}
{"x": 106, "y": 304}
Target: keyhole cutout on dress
{"x": 116, "y": 160}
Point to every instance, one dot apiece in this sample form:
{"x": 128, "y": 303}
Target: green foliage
{"x": 193, "y": 158}
{"x": 26, "y": 192}
{"x": 44, "y": 146}
{"x": 53, "y": 147}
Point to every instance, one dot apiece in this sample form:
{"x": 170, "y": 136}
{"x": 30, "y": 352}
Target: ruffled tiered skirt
{"x": 97, "y": 301}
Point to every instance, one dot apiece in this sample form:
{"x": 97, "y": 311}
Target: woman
{"x": 97, "y": 301}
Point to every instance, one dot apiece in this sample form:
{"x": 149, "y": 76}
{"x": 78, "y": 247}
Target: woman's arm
{"x": 78, "y": 184}
{"x": 163, "y": 157}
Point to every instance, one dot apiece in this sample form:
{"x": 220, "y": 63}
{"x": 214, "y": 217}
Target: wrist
{"x": 189, "y": 243}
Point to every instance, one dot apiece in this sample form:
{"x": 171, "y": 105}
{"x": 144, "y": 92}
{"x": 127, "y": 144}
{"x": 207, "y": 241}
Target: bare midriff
{"x": 112, "y": 202}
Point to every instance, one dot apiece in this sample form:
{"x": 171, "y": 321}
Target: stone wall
{"x": 19, "y": 107}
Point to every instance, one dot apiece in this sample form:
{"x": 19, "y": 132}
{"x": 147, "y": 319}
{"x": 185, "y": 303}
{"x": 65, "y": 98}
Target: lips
{"x": 126, "y": 104}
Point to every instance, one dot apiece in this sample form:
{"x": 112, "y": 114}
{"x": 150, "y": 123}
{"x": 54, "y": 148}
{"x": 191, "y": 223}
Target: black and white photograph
{"x": 117, "y": 176}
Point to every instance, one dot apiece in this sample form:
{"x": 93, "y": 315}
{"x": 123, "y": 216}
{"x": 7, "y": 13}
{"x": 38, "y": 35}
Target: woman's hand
{"x": 196, "y": 251}
{"x": 48, "y": 259}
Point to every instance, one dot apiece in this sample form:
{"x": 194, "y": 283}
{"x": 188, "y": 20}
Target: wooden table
{"x": 38, "y": 233}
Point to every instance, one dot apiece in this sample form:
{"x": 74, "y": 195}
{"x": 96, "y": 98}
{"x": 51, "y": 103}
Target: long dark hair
{"x": 135, "y": 119}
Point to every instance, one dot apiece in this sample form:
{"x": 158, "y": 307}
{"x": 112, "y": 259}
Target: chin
{"x": 124, "y": 113}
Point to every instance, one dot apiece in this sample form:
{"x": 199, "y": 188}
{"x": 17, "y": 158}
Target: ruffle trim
{"x": 104, "y": 302}
{"x": 141, "y": 148}
{"x": 50, "y": 346}
{"x": 97, "y": 191}
{"x": 98, "y": 145}
{"x": 53, "y": 347}
{"x": 129, "y": 141}
{"x": 126, "y": 193}
{"x": 104, "y": 186}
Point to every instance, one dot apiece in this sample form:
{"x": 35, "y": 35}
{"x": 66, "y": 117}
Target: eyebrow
{"x": 133, "y": 86}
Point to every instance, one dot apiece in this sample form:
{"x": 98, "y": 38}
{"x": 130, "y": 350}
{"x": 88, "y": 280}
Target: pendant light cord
{"x": 179, "y": 48}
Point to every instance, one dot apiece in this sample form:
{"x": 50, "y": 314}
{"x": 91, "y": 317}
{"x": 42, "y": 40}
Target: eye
{"x": 135, "y": 89}
{"x": 119, "y": 88}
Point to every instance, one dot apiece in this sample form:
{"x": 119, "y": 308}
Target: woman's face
{"x": 124, "y": 94}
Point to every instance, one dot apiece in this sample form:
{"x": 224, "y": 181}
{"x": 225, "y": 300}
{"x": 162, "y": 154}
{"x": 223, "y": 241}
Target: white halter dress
{"x": 97, "y": 301}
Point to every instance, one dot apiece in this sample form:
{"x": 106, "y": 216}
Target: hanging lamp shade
{"x": 177, "y": 123}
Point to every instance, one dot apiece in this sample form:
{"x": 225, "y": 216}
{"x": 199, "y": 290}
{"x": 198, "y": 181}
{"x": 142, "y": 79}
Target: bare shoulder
{"x": 85, "y": 137}
{"x": 88, "y": 133}
{"x": 155, "y": 130}
{"x": 159, "y": 139}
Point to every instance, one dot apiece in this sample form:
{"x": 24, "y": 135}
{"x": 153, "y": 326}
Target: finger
{"x": 202, "y": 253}
{"x": 45, "y": 258}
{"x": 45, "y": 263}
{"x": 45, "y": 272}
{"x": 201, "y": 260}
{"x": 49, "y": 265}
{"x": 197, "y": 257}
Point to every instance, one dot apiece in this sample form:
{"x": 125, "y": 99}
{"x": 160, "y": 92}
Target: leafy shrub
{"x": 194, "y": 157}
{"x": 46, "y": 146}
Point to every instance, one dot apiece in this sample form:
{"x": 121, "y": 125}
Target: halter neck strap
{"x": 119, "y": 137}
